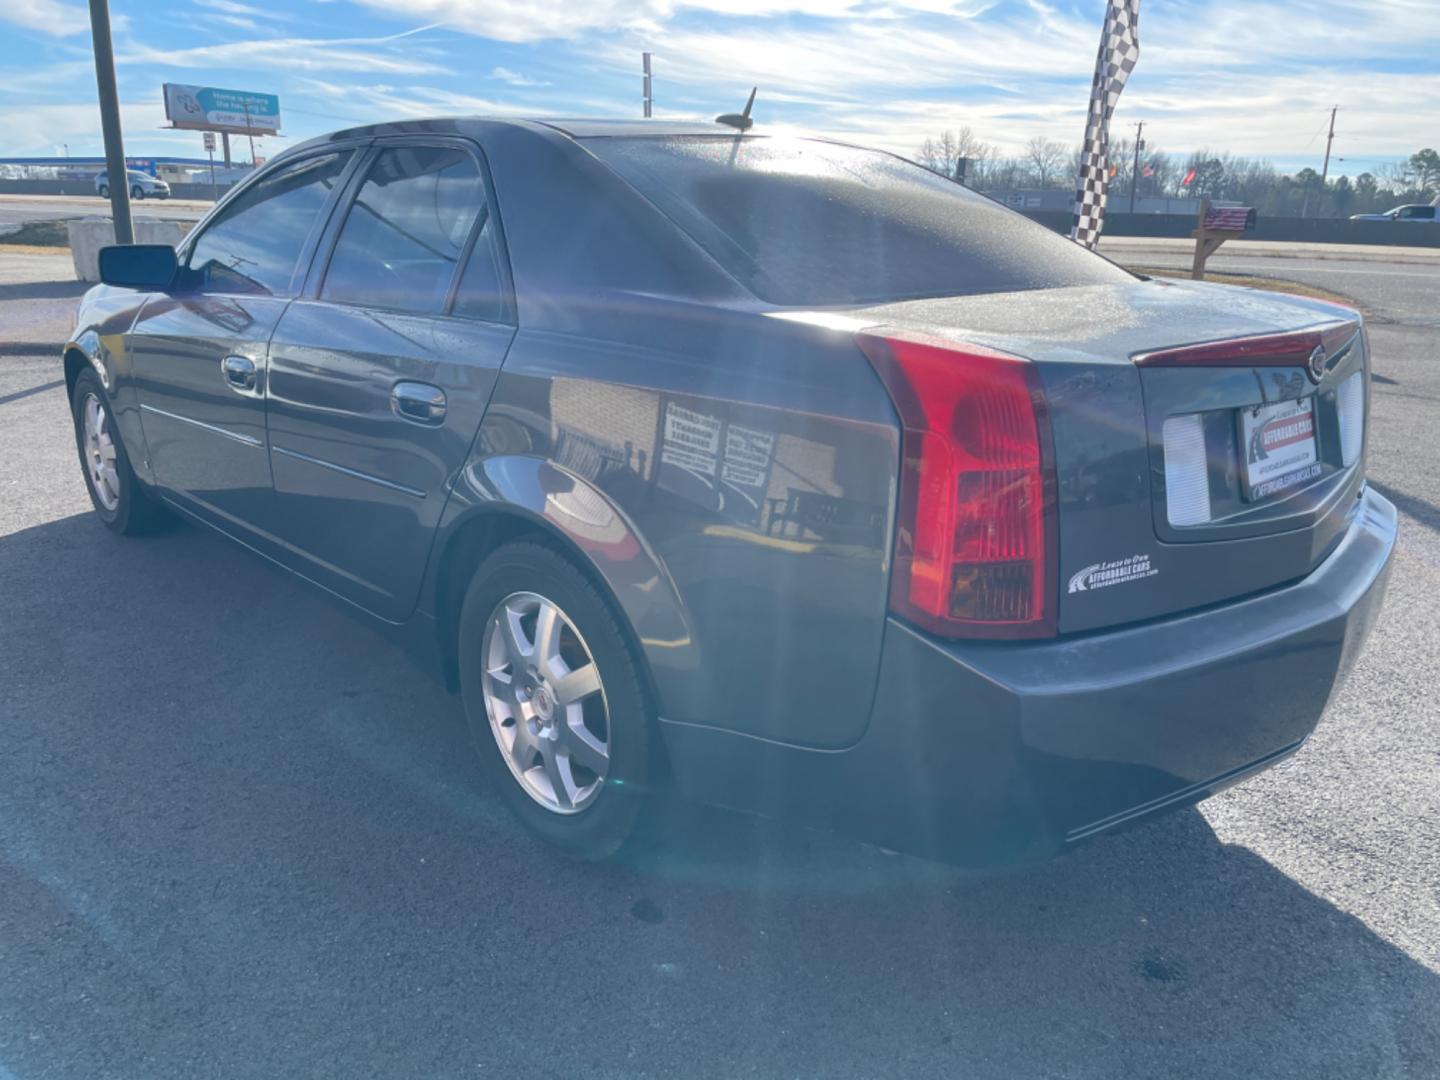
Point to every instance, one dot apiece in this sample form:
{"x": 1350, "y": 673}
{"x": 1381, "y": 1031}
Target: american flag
{"x": 1119, "y": 49}
{"x": 1148, "y": 170}
{"x": 1227, "y": 217}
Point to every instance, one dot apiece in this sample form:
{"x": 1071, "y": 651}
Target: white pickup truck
{"x": 1415, "y": 212}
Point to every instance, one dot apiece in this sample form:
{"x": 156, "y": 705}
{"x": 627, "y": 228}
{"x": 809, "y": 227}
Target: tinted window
{"x": 480, "y": 294}
{"x": 812, "y": 223}
{"x": 254, "y": 245}
{"x": 406, "y": 231}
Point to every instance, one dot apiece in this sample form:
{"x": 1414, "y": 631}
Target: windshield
{"x": 805, "y": 222}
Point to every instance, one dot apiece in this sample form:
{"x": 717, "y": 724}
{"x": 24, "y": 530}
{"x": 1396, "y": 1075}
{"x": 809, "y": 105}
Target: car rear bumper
{"x": 986, "y": 753}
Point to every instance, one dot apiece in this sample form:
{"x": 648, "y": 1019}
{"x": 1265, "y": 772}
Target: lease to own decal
{"x": 1102, "y": 575}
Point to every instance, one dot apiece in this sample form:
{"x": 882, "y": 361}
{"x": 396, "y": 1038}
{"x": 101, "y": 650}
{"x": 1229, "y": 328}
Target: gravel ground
{"x": 241, "y": 836}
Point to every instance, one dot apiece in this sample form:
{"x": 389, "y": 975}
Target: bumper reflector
{"x": 1187, "y": 476}
{"x": 1350, "y": 405}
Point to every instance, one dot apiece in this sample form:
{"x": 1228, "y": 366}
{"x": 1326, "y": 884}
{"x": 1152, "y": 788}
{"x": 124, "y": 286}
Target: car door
{"x": 199, "y": 350}
{"x": 380, "y": 373}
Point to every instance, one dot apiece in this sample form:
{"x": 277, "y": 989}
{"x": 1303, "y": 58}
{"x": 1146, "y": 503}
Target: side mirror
{"x": 138, "y": 266}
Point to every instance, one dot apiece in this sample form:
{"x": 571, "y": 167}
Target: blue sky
{"x": 1256, "y": 77}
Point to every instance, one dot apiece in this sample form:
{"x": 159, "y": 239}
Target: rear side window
{"x": 481, "y": 294}
{"x": 406, "y": 231}
{"x": 802, "y": 222}
{"x": 254, "y": 244}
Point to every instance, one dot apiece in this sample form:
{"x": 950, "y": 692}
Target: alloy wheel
{"x": 100, "y": 453}
{"x": 546, "y": 703}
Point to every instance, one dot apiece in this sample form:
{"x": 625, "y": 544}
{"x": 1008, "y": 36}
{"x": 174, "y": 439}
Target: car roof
{"x": 554, "y": 127}
{"x": 590, "y": 127}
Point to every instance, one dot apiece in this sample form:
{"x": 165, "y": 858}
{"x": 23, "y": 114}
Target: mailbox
{"x": 1229, "y": 219}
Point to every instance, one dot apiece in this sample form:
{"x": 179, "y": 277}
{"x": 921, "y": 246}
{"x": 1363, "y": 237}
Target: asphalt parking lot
{"x": 241, "y": 836}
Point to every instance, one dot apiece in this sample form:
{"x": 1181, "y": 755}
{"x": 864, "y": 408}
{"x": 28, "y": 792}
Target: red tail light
{"x": 975, "y": 547}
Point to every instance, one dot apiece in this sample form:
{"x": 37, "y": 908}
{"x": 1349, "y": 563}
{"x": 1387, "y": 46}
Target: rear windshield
{"x": 808, "y": 223}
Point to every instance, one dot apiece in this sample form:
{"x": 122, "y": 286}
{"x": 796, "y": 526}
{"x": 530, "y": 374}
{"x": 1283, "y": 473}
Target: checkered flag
{"x": 1119, "y": 49}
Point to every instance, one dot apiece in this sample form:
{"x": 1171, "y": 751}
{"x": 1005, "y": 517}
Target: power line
{"x": 1311, "y": 141}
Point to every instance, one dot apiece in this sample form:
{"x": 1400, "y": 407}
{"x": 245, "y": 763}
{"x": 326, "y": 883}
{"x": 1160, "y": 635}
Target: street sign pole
{"x": 118, "y": 179}
{"x": 210, "y": 149}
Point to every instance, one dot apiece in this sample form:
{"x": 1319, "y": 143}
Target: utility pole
{"x": 1325, "y": 169}
{"x": 649, "y": 100}
{"x": 119, "y": 179}
{"x": 1135, "y": 167}
{"x": 250, "y": 133}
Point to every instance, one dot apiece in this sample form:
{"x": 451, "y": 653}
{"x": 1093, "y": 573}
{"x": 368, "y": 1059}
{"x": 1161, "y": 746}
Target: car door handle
{"x": 419, "y": 403}
{"x": 239, "y": 373}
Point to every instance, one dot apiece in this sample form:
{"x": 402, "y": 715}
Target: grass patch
{"x": 1250, "y": 281}
{"x": 38, "y": 234}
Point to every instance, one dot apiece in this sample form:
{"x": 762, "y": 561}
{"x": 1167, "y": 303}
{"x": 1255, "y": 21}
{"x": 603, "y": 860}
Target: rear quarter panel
{"x": 744, "y": 465}
{"x": 733, "y": 478}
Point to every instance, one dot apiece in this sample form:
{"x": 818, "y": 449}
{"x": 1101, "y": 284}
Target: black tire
{"x": 135, "y": 511}
{"x": 104, "y": 191}
{"x": 137, "y": 192}
{"x": 602, "y": 827}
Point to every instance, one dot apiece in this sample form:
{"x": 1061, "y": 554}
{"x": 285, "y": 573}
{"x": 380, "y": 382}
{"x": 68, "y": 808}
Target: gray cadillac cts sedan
{"x": 777, "y": 470}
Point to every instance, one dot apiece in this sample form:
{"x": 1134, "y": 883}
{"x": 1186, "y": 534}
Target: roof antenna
{"x": 739, "y": 121}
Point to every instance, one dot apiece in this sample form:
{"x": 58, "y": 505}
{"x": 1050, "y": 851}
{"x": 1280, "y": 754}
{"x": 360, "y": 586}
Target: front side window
{"x": 254, "y": 245}
{"x": 406, "y": 231}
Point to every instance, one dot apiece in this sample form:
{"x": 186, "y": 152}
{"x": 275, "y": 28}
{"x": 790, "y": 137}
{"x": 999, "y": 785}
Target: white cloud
{"x": 361, "y": 55}
{"x": 538, "y": 20}
{"x": 853, "y": 60}
{"x": 1256, "y": 78}
{"x": 515, "y": 78}
{"x": 47, "y": 16}
{"x": 247, "y": 11}
{"x": 39, "y": 129}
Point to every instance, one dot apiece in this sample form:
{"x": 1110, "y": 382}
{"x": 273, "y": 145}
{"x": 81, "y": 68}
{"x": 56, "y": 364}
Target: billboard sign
{"x": 206, "y": 108}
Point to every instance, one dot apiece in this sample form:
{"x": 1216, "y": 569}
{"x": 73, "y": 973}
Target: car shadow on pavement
{"x": 240, "y": 835}
{"x": 1422, "y": 510}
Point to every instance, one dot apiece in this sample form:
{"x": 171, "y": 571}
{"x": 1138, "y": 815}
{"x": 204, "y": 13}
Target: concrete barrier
{"x": 89, "y": 235}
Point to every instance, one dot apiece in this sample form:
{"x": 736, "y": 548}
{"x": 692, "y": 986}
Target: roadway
{"x": 240, "y": 836}
{"x": 1399, "y": 285}
{"x": 19, "y": 209}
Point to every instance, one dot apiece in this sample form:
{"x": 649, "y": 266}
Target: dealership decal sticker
{"x": 1102, "y": 575}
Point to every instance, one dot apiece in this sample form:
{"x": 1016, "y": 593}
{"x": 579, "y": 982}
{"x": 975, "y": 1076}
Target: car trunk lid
{"x": 1197, "y": 458}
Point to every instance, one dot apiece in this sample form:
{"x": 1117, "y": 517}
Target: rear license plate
{"x": 1279, "y": 447}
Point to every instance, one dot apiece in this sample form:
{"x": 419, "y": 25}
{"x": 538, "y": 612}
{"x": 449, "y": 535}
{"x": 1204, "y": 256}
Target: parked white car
{"x": 142, "y": 185}
{"x": 1414, "y": 212}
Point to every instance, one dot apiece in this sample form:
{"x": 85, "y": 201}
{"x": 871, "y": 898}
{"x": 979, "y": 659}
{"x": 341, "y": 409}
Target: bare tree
{"x": 942, "y": 153}
{"x": 1045, "y": 156}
